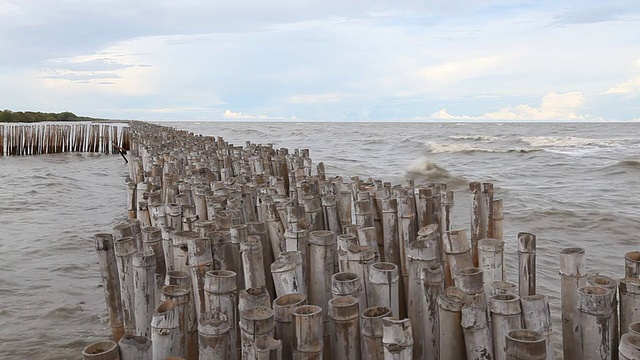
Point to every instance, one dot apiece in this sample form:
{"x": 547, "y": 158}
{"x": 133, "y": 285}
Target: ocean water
{"x": 571, "y": 184}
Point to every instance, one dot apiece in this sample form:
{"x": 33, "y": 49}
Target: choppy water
{"x": 573, "y": 185}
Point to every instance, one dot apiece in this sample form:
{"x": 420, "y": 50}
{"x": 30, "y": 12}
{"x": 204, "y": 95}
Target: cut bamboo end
{"x": 525, "y": 345}
{"x": 102, "y": 350}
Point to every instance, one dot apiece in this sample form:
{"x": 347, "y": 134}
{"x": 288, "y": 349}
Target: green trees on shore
{"x": 36, "y": 116}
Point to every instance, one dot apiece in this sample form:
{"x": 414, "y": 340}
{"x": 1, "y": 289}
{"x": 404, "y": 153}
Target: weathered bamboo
{"x": 321, "y": 260}
{"x": 176, "y": 277}
{"x": 135, "y": 348}
{"x": 477, "y": 334}
{"x": 252, "y": 262}
{"x": 572, "y": 277}
{"x": 491, "y": 261}
{"x": 166, "y": 335}
{"x": 221, "y": 296}
{"x": 526, "y": 264}
{"x": 629, "y": 347}
{"x": 432, "y": 278}
{"x": 612, "y": 285}
{"x": 451, "y": 337}
{"x": 307, "y": 332}
{"x": 256, "y": 325}
{"x": 181, "y": 295}
{"x": 360, "y": 259}
{"x": 268, "y": 348}
{"x": 124, "y": 250}
{"x": 497, "y": 219}
{"x": 180, "y": 248}
{"x": 629, "y": 302}
{"x": 331, "y": 215}
{"x": 110, "y": 282}
{"x": 502, "y": 288}
{"x": 521, "y": 344}
{"x": 144, "y": 285}
{"x": 397, "y": 339}
{"x": 458, "y": 252}
{"x": 238, "y": 235}
{"x": 632, "y": 264}
{"x": 283, "y": 307}
{"x": 406, "y": 234}
{"x": 102, "y": 350}
{"x": 258, "y": 230}
{"x": 371, "y": 332}
{"x": 347, "y": 284}
{"x": 383, "y": 283}
{"x": 214, "y": 336}
{"x": 345, "y": 328}
{"x": 634, "y": 328}
{"x": 478, "y": 218}
{"x": 594, "y": 305}
{"x": 152, "y": 241}
{"x": 537, "y": 317}
{"x": 343, "y": 241}
{"x": 506, "y": 315}
{"x": 253, "y": 297}
{"x": 200, "y": 262}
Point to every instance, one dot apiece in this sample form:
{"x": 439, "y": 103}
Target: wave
{"x": 424, "y": 169}
{"x": 467, "y": 148}
{"x": 566, "y": 141}
{"x": 629, "y": 163}
{"x": 475, "y": 137}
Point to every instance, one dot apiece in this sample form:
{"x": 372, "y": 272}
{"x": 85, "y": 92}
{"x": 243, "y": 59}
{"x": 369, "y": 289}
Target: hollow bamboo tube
{"x": 283, "y": 309}
{"x": 432, "y": 278}
{"x": 391, "y": 244}
{"x": 477, "y": 334}
{"x": 497, "y": 219}
{"x": 238, "y": 235}
{"x": 307, "y": 339}
{"x": 174, "y": 216}
{"x": 502, "y": 288}
{"x": 166, "y": 336}
{"x": 506, "y": 315}
{"x": 222, "y": 251}
{"x": 360, "y": 259}
{"x": 629, "y": 302}
{"x": 135, "y": 348}
{"x": 275, "y": 229}
{"x": 521, "y": 344}
{"x": 345, "y": 328}
{"x": 478, "y": 218}
{"x": 572, "y": 277}
{"x": 124, "y": 250}
{"x": 526, "y": 264}
{"x": 367, "y": 236}
{"x": 268, "y": 349}
{"x": 221, "y": 296}
{"x": 143, "y": 213}
{"x": 253, "y": 297}
{"x": 297, "y": 240}
{"x": 371, "y": 332}
{"x": 343, "y": 241}
{"x": 256, "y": 325}
{"x": 629, "y": 347}
{"x": 252, "y": 263}
{"x": 110, "y": 282}
{"x": 214, "y": 336}
{"x": 594, "y": 305}
{"x": 152, "y": 241}
{"x": 406, "y": 233}
{"x": 344, "y": 206}
{"x": 201, "y": 202}
{"x": 176, "y": 277}
{"x": 101, "y": 350}
{"x": 397, "y": 339}
{"x": 491, "y": 261}
{"x": 331, "y": 215}
{"x": 180, "y": 248}
{"x": 634, "y": 328}
{"x": 537, "y": 317}
{"x": 144, "y": 264}
{"x": 632, "y": 264}
{"x": 612, "y": 285}
{"x": 180, "y": 295}
{"x": 313, "y": 213}
{"x": 347, "y": 284}
{"x": 321, "y": 259}
{"x": 200, "y": 261}
{"x": 383, "y": 283}
{"x": 287, "y": 274}
{"x": 458, "y": 252}
{"x": 259, "y": 230}
{"x": 451, "y": 337}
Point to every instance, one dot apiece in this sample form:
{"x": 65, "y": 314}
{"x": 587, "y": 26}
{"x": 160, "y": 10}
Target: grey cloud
{"x": 598, "y": 13}
{"x": 82, "y": 77}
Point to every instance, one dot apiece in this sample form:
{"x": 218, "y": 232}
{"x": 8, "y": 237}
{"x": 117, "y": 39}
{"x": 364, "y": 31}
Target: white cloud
{"x": 553, "y": 107}
{"x": 315, "y": 99}
{"x": 458, "y": 70}
{"x": 242, "y": 116}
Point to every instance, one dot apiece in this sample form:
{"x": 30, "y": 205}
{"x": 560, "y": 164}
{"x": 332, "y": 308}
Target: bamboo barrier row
{"x": 18, "y": 140}
{"x": 251, "y": 252}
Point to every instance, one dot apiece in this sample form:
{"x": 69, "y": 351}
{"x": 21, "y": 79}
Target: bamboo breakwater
{"x": 251, "y": 252}
{"x": 35, "y": 139}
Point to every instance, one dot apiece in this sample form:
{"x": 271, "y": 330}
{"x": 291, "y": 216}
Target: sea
{"x": 570, "y": 184}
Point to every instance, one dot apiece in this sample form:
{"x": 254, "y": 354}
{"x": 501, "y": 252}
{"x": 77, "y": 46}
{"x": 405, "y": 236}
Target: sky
{"x": 324, "y": 60}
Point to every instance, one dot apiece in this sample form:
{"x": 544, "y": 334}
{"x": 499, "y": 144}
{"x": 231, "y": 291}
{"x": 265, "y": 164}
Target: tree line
{"x": 36, "y": 116}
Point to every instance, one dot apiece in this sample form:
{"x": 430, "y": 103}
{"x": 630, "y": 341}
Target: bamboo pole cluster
{"x": 251, "y": 252}
{"x": 17, "y": 140}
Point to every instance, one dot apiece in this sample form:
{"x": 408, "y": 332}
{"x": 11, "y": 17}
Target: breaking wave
{"x": 467, "y": 148}
{"x": 428, "y": 171}
{"x": 566, "y": 141}
{"x": 475, "y": 137}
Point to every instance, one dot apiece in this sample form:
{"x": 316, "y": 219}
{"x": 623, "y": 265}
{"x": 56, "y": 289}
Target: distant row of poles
{"x": 17, "y": 140}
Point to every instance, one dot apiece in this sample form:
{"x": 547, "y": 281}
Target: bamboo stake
{"x": 506, "y": 315}
{"x": 612, "y": 285}
{"x": 347, "y": 284}
{"x": 634, "y": 328}
{"x": 144, "y": 264}
{"x": 629, "y": 347}
{"x": 345, "y": 328}
{"x": 321, "y": 258}
{"x": 458, "y": 252}
{"x": 537, "y": 317}
{"x": 253, "y": 297}
{"x": 632, "y": 264}
{"x": 110, "y": 282}
{"x": 102, "y": 350}
{"x": 397, "y": 339}
{"x": 275, "y": 229}
{"x": 152, "y": 241}
{"x": 221, "y": 296}
{"x": 180, "y": 296}
{"x": 135, "y": 348}
{"x": 392, "y": 251}
{"x": 477, "y": 334}
{"x": 252, "y": 263}
{"x": 451, "y": 337}
{"x": 238, "y": 235}
{"x": 307, "y": 332}
{"x": 497, "y": 219}
{"x": 491, "y": 261}
{"x": 572, "y": 277}
{"x": 124, "y": 250}
{"x": 177, "y": 277}
{"x": 166, "y": 338}
{"x": 200, "y": 262}
{"x": 343, "y": 241}
{"x": 629, "y": 302}
{"x": 180, "y": 248}
{"x": 478, "y": 218}
{"x": 523, "y": 344}
{"x": 268, "y": 349}
{"x": 213, "y": 336}
{"x": 256, "y": 324}
{"x": 503, "y": 288}
{"x": 283, "y": 308}
{"x": 259, "y": 230}
{"x": 287, "y": 274}
{"x": 526, "y": 264}
{"x": 383, "y": 280}
{"x": 594, "y": 305}
{"x": 372, "y": 332}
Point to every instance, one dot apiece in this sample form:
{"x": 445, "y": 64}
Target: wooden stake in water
{"x": 572, "y": 277}
{"x": 144, "y": 264}
{"x": 629, "y": 302}
{"x": 166, "y": 336}
{"x": 372, "y": 331}
{"x": 135, "y": 348}
{"x": 506, "y": 315}
{"x": 283, "y": 307}
{"x": 451, "y": 336}
{"x": 432, "y": 278}
{"x": 523, "y": 344}
{"x": 594, "y": 305}
{"x": 213, "y": 336}
{"x": 477, "y": 334}
{"x": 397, "y": 339}
{"x": 124, "y": 250}
{"x": 221, "y": 296}
{"x": 345, "y": 328}
{"x": 612, "y": 285}
{"x": 526, "y": 264}
{"x": 537, "y": 317}
{"x": 110, "y": 282}
{"x": 102, "y": 350}
{"x": 491, "y": 261}
{"x": 632, "y": 264}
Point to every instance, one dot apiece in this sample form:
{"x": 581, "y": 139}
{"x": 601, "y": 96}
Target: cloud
{"x": 228, "y": 114}
{"x": 552, "y": 107}
{"x": 455, "y": 71}
{"x": 315, "y": 99}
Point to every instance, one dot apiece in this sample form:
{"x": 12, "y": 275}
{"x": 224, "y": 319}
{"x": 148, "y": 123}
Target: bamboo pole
{"x": 166, "y": 335}
{"x": 397, "y": 339}
{"x": 259, "y": 230}
{"x": 391, "y": 244}
{"x": 526, "y": 264}
{"x": 594, "y": 305}
{"x": 252, "y": 263}
{"x": 152, "y": 241}
{"x": 221, "y": 296}
{"x": 632, "y": 264}
{"x": 371, "y": 332}
{"x": 406, "y": 234}
{"x": 629, "y": 347}
{"x": 572, "y": 277}
{"x": 321, "y": 258}
{"x": 521, "y": 344}
{"x": 503, "y": 288}
{"x": 383, "y": 283}
{"x": 432, "y": 278}
{"x": 135, "y": 348}
{"x": 343, "y": 241}
{"x": 124, "y": 250}
{"x": 478, "y": 218}
{"x": 283, "y": 309}
{"x": 451, "y": 337}
{"x": 537, "y": 317}
{"x": 347, "y": 284}
{"x": 491, "y": 261}
{"x": 307, "y": 332}
{"x": 458, "y": 252}
{"x": 477, "y": 334}
{"x": 268, "y": 349}
{"x": 287, "y": 274}
{"x": 345, "y": 328}
{"x": 360, "y": 259}
{"x": 238, "y": 235}
{"x": 110, "y": 282}
{"x": 180, "y": 248}
{"x": 612, "y": 285}
{"x": 177, "y": 277}
{"x": 102, "y": 350}
{"x": 181, "y": 297}
{"x": 200, "y": 262}
{"x": 256, "y": 324}
{"x": 144, "y": 264}
{"x": 214, "y": 336}
{"x": 506, "y": 315}
{"x": 629, "y": 302}
{"x": 275, "y": 229}
{"x": 253, "y": 297}
{"x": 497, "y": 219}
